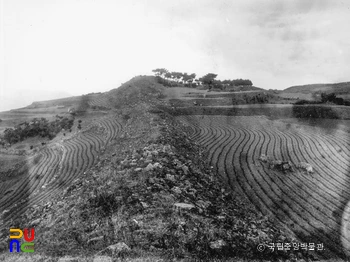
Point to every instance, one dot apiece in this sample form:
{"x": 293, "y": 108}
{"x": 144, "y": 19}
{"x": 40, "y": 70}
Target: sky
{"x": 58, "y": 48}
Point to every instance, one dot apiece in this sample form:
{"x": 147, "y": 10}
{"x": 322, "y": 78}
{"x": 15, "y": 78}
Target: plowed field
{"x": 55, "y": 167}
{"x": 310, "y": 205}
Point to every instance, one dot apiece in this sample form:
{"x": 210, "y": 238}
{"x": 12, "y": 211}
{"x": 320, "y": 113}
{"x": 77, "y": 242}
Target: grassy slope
{"x": 125, "y": 200}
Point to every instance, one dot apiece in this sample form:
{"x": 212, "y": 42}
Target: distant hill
{"x": 311, "y": 92}
{"x": 338, "y": 88}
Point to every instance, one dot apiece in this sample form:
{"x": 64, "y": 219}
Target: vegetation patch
{"x": 36, "y": 127}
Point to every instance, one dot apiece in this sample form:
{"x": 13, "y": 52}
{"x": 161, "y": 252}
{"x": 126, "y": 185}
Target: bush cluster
{"x": 37, "y": 127}
{"x": 326, "y": 98}
{"x": 332, "y": 98}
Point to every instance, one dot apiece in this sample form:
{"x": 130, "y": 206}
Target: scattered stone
{"x": 170, "y": 177}
{"x": 138, "y": 169}
{"x": 176, "y": 190}
{"x": 68, "y": 259}
{"x": 119, "y": 249}
{"x": 96, "y": 242}
{"x": 184, "y": 206}
{"x": 35, "y": 222}
{"x": 155, "y": 153}
{"x": 185, "y": 169}
{"x": 157, "y": 165}
{"x": 144, "y": 205}
{"x": 149, "y": 167}
{"x": 134, "y": 225}
{"x": 147, "y": 161}
{"x": 263, "y": 158}
{"x": 102, "y": 259}
{"x": 218, "y": 244}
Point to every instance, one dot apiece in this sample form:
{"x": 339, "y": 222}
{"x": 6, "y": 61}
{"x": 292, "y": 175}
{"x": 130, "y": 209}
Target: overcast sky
{"x": 58, "y": 48}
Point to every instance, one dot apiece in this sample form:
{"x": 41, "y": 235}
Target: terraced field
{"x": 310, "y": 205}
{"x": 101, "y": 100}
{"x": 56, "y": 166}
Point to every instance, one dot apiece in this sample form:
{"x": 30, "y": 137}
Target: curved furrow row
{"x": 203, "y": 135}
{"x": 214, "y": 138}
{"x": 296, "y": 156}
{"x": 338, "y": 137}
{"x": 310, "y": 150}
{"x": 65, "y": 178}
{"x": 217, "y": 137}
{"x": 201, "y": 132}
{"x": 295, "y": 196}
{"x": 276, "y": 193}
{"x": 113, "y": 127}
{"x": 296, "y": 145}
{"x": 289, "y": 204}
{"x": 305, "y": 203}
{"x": 322, "y": 206}
{"x": 102, "y": 100}
{"x": 334, "y": 159}
{"x": 246, "y": 186}
{"x": 20, "y": 187}
{"x": 111, "y": 132}
{"x": 307, "y": 156}
{"x": 30, "y": 182}
{"x": 323, "y": 171}
{"x": 271, "y": 191}
{"x": 287, "y": 178}
{"x": 189, "y": 121}
{"x": 45, "y": 173}
{"x": 305, "y": 184}
{"x": 216, "y": 150}
{"x": 58, "y": 170}
{"x": 38, "y": 194}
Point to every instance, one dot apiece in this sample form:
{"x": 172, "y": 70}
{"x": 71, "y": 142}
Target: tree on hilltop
{"x": 208, "y": 79}
{"x": 168, "y": 75}
{"x": 177, "y": 76}
{"x": 160, "y": 71}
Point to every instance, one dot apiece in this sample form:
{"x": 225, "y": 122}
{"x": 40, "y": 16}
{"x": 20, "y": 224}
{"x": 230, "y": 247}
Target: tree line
{"x": 209, "y": 80}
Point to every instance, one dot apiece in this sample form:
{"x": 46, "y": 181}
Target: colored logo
{"x": 26, "y": 246}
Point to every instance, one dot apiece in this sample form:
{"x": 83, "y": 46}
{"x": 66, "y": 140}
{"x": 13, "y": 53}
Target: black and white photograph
{"x": 183, "y": 130}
